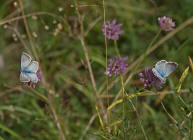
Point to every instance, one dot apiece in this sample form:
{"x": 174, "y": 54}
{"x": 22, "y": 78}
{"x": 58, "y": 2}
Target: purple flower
{"x": 39, "y": 75}
{"x": 112, "y": 30}
{"x": 149, "y": 79}
{"x": 166, "y": 23}
{"x": 116, "y": 66}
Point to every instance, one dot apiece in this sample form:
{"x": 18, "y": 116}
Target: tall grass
{"x": 75, "y": 99}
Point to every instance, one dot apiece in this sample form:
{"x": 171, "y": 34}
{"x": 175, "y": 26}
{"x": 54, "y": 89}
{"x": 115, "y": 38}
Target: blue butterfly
{"x": 28, "y": 69}
{"x": 163, "y": 69}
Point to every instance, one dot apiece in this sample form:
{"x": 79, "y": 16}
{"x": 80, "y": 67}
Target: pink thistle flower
{"x": 116, "y": 66}
{"x": 112, "y": 30}
{"x": 166, "y": 23}
{"x": 149, "y": 79}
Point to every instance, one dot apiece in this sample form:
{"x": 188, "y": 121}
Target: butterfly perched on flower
{"x": 163, "y": 69}
{"x": 29, "y": 69}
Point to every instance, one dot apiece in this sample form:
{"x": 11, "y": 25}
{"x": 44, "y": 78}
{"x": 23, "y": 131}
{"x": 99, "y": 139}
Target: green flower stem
{"x": 106, "y": 61}
{"x": 122, "y": 85}
{"x": 116, "y": 48}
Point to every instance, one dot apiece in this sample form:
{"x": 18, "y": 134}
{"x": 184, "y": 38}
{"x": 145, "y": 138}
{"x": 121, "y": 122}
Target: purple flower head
{"x": 149, "y": 79}
{"x": 166, "y": 23}
{"x": 112, "y": 30}
{"x": 39, "y": 75}
{"x": 116, "y": 66}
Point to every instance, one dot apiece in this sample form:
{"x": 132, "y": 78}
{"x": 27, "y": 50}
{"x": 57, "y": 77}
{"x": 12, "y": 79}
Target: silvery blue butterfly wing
{"x": 163, "y": 69}
{"x": 31, "y": 70}
{"x": 28, "y": 69}
{"x": 25, "y": 60}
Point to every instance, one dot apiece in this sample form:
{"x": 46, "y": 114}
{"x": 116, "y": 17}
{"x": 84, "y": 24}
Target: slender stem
{"x": 122, "y": 87}
{"x": 12, "y": 19}
{"x": 169, "y": 115}
{"x": 191, "y": 126}
{"x": 182, "y": 101}
{"x": 81, "y": 37}
{"x": 57, "y": 121}
{"x": 20, "y": 38}
{"x": 153, "y": 41}
{"x": 28, "y": 31}
{"x": 146, "y": 52}
{"x": 116, "y": 48}
{"x": 88, "y": 126}
{"x": 139, "y": 120}
{"x": 106, "y": 60}
{"x": 123, "y": 97}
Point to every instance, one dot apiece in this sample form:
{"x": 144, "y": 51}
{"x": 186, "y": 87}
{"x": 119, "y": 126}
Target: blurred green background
{"x": 55, "y": 30}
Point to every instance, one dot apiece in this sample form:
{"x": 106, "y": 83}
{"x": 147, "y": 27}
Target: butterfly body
{"x": 25, "y": 71}
{"x": 163, "y": 69}
{"x": 29, "y": 69}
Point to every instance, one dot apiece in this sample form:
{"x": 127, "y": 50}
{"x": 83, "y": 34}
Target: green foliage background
{"x": 25, "y": 115}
